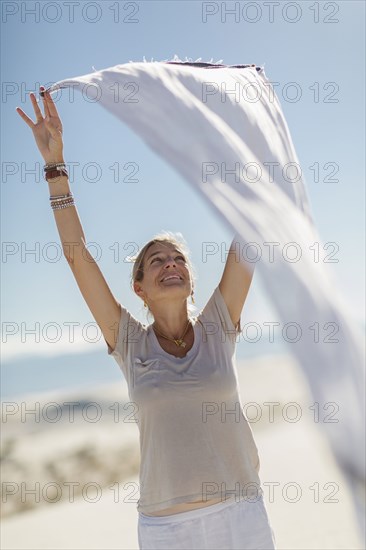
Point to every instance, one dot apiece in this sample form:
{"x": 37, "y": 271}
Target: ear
{"x": 139, "y": 290}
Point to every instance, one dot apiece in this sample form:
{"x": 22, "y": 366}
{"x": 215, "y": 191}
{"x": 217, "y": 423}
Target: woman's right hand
{"x": 47, "y": 130}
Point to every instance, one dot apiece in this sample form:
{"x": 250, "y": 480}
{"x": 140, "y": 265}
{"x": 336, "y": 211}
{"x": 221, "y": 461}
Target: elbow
{"x": 69, "y": 257}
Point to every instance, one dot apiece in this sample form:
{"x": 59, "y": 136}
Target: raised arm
{"x": 235, "y": 281}
{"x": 104, "y": 307}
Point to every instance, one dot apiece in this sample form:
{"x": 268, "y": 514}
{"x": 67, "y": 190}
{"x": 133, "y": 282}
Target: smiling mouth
{"x": 171, "y": 278}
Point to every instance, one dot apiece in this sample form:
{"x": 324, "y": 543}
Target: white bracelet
{"x": 60, "y": 197}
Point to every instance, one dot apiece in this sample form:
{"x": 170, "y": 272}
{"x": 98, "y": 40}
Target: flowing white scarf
{"x": 206, "y": 119}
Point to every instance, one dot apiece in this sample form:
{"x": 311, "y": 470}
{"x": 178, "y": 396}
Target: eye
{"x": 159, "y": 259}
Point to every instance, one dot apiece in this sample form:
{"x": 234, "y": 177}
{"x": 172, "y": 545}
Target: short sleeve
{"x": 128, "y": 335}
{"x": 217, "y": 313}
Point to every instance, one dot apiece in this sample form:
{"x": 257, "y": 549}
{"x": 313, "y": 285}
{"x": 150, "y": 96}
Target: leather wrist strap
{"x": 51, "y": 174}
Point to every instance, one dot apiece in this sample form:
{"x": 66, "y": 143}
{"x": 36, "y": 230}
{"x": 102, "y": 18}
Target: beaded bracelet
{"x": 61, "y": 201}
{"x": 64, "y": 204}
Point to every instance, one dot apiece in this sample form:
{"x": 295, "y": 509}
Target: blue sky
{"x": 319, "y": 46}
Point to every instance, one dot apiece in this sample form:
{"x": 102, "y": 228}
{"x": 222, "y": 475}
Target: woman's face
{"x": 166, "y": 274}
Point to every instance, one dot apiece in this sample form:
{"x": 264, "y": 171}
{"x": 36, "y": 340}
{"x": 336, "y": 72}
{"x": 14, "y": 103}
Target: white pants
{"x": 229, "y": 525}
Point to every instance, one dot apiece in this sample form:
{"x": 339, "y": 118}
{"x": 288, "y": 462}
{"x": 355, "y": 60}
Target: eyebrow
{"x": 160, "y": 252}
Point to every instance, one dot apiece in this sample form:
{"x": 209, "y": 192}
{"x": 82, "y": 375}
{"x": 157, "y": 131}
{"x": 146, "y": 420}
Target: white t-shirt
{"x": 195, "y": 441}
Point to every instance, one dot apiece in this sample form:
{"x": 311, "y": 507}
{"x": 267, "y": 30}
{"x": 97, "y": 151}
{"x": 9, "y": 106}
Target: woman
{"x": 199, "y": 484}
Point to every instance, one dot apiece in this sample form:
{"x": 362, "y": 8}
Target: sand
{"x": 308, "y": 502}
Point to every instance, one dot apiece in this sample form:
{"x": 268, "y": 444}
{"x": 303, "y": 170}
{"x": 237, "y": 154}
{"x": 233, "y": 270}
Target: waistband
{"x": 197, "y": 513}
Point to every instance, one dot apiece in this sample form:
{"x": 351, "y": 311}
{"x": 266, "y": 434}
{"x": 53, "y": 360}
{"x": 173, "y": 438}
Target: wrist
{"x": 55, "y": 170}
{"x": 54, "y": 160}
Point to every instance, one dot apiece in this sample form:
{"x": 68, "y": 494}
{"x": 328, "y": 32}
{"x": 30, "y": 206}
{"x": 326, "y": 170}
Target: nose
{"x": 169, "y": 261}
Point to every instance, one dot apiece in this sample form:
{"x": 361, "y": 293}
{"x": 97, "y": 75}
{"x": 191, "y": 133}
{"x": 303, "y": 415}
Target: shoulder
{"x": 216, "y": 311}
{"x": 128, "y": 331}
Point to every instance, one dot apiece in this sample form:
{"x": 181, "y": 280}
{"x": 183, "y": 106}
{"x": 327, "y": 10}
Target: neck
{"x": 171, "y": 322}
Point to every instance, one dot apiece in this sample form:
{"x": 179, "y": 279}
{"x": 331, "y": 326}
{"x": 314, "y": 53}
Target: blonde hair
{"x": 168, "y": 237}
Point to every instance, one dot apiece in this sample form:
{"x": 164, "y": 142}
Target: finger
{"x": 25, "y": 117}
{"x": 50, "y": 104}
{"x": 36, "y": 108}
{"x": 45, "y": 105}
